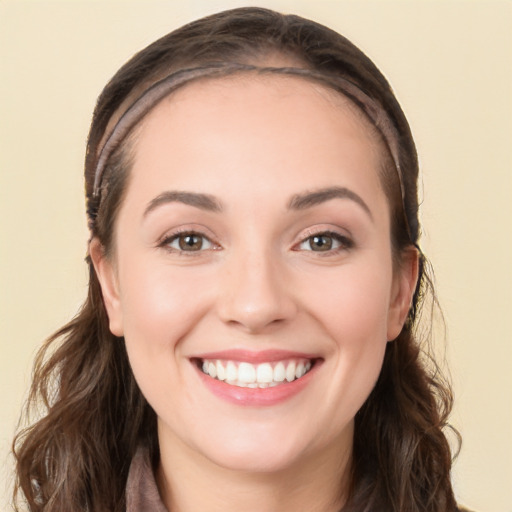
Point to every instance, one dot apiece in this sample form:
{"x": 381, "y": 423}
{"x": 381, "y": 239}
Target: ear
{"x": 405, "y": 279}
{"x": 107, "y": 277}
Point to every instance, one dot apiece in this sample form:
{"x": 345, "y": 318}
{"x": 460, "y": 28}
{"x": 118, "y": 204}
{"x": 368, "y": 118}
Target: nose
{"x": 255, "y": 293}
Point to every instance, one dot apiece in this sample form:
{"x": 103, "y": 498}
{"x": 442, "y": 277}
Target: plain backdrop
{"x": 450, "y": 64}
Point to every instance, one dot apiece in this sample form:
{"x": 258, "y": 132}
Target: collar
{"x": 141, "y": 490}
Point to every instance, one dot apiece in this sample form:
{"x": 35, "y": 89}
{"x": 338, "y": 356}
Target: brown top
{"x": 141, "y": 491}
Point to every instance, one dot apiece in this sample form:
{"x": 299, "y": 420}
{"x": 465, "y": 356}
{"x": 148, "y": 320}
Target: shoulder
{"x": 464, "y": 509}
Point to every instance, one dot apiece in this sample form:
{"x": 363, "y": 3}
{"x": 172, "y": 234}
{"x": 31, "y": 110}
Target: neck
{"x": 189, "y": 482}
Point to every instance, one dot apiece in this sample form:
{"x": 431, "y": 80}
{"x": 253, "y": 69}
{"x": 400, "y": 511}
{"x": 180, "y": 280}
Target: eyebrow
{"x": 201, "y": 201}
{"x": 316, "y": 197}
{"x": 297, "y": 202}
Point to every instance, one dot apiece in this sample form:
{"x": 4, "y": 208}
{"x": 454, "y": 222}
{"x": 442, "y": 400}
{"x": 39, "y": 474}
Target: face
{"x": 252, "y": 276}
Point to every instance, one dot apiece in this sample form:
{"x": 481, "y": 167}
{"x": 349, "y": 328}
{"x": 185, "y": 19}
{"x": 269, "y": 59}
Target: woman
{"x": 255, "y": 282}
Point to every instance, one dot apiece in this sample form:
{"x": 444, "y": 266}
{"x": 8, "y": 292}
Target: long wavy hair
{"x": 92, "y": 415}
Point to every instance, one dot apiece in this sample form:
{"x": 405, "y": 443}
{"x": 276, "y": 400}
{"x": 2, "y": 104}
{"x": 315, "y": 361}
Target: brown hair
{"x": 77, "y": 456}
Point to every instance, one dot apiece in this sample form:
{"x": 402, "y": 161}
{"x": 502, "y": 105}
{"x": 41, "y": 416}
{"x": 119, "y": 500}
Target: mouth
{"x": 267, "y": 374}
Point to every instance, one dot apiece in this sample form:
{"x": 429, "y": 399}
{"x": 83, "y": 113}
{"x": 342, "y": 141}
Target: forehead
{"x": 273, "y": 128}
{"x": 276, "y": 102}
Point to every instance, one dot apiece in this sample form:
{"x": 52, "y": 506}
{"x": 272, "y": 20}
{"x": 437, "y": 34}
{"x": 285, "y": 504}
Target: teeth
{"x": 247, "y": 373}
{"x": 290, "y": 372}
{"x": 265, "y": 374}
{"x": 279, "y": 372}
{"x": 221, "y": 372}
{"x": 243, "y": 374}
{"x": 231, "y": 371}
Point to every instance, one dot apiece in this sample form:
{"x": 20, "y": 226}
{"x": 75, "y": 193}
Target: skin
{"x": 258, "y": 283}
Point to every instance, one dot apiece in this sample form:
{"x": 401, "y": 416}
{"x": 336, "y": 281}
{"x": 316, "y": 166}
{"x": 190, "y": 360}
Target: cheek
{"x": 353, "y": 303}
{"x": 160, "y": 306}
{"x": 158, "y": 318}
{"x": 353, "y": 310}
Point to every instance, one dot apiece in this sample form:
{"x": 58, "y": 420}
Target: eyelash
{"x": 167, "y": 241}
{"x": 343, "y": 242}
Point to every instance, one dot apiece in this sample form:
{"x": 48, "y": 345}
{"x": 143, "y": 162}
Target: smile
{"x": 263, "y": 375}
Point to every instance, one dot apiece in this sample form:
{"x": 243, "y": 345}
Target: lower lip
{"x": 257, "y": 396}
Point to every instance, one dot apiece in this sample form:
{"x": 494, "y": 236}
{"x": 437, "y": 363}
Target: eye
{"x": 188, "y": 242}
{"x": 325, "y": 242}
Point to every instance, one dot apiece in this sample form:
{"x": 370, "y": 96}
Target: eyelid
{"x": 345, "y": 240}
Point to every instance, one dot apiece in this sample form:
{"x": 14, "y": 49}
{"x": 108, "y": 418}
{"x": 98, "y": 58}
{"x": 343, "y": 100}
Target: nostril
{"x": 256, "y": 316}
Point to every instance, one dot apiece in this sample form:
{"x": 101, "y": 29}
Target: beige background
{"x": 451, "y": 66}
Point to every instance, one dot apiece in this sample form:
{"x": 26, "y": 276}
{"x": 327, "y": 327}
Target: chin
{"x": 255, "y": 459}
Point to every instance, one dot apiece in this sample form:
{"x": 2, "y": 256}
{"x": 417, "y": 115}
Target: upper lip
{"x": 253, "y": 356}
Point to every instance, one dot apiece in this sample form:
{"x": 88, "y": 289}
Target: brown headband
{"x": 162, "y": 88}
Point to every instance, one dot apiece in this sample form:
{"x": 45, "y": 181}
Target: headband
{"x": 151, "y": 96}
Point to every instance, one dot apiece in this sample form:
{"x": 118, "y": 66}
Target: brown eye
{"x": 326, "y": 242}
{"x": 188, "y": 242}
{"x": 321, "y": 243}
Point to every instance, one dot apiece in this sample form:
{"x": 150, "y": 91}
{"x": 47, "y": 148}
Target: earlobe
{"x": 403, "y": 291}
{"x": 106, "y": 274}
